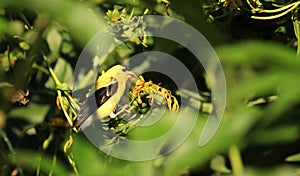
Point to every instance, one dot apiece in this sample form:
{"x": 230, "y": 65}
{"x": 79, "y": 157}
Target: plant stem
{"x": 52, "y": 73}
{"x": 73, "y": 102}
{"x": 236, "y": 160}
{"x": 42, "y": 69}
{"x": 64, "y": 110}
{"x": 59, "y": 93}
{"x": 296, "y": 25}
{"x": 295, "y": 5}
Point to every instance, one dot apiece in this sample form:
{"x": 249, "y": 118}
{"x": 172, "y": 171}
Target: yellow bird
{"x": 109, "y": 89}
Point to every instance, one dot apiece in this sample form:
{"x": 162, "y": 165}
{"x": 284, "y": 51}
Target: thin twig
{"x": 59, "y": 93}
{"x": 64, "y": 110}
{"x": 296, "y": 25}
{"x": 42, "y": 69}
{"x": 278, "y": 15}
{"x": 73, "y": 102}
{"x": 73, "y": 164}
{"x": 276, "y": 10}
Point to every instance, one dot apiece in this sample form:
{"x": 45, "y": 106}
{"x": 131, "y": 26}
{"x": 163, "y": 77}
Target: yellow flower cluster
{"x": 144, "y": 95}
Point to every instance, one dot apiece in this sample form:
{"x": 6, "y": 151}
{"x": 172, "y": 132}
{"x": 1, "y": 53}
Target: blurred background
{"x": 256, "y": 41}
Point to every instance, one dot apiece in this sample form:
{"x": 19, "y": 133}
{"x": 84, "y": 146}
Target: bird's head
{"x": 118, "y": 72}
{"x": 121, "y": 72}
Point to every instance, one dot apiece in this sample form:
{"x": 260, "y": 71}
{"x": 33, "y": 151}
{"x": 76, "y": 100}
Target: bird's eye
{"x": 124, "y": 69}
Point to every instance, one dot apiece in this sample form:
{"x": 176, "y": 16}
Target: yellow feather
{"x": 115, "y": 73}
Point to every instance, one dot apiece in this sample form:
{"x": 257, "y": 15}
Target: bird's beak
{"x": 130, "y": 75}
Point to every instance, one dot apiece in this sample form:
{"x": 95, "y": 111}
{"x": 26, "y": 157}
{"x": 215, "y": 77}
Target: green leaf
{"x": 17, "y": 27}
{"x": 274, "y": 171}
{"x": 31, "y": 36}
{"x": 218, "y": 164}
{"x": 64, "y": 72}
{"x": 293, "y": 158}
{"x": 2, "y": 11}
{"x": 54, "y": 40}
{"x": 29, "y": 161}
{"x": 233, "y": 129}
{"x": 88, "y": 157}
{"x": 4, "y": 26}
{"x": 275, "y": 135}
{"x": 66, "y": 47}
{"x": 24, "y": 45}
{"x": 33, "y": 113}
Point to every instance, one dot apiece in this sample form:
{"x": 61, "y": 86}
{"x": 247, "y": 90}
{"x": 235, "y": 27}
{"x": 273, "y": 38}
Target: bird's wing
{"x": 95, "y": 100}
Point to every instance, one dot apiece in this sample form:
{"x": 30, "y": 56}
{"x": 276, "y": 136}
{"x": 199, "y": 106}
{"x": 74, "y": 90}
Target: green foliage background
{"x": 259, "y": 134}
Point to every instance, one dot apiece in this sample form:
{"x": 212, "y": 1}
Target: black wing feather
{"x": 94, "y": 101}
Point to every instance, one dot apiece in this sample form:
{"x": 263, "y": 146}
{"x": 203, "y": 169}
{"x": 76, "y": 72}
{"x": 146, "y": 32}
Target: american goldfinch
{"x": 109, "y": 89}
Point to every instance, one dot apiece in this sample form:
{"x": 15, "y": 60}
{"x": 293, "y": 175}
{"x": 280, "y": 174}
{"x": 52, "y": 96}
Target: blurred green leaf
{"x": 66, "y": 47}
{"x": 272, "y": 73}
{"x": 161, "y": 126}
{"x": 33, "y": 113}
{"x": 275, "y": 135}
{"x": 24, "y": 45}
{"x": 29, "y": 161}
{"x": 54, "y": 40}
{"x": 30, "y": 36}
{"x": 218, "y": 164}
{"x": 274, "y": 171}
{"x": 82, "y": 22}
{"x": 2, "y": 11}
{"x": 17, "y": 27}
{"x": 232, "y": 130}
{"x": 4, "y": 26}
{"x": 89, "y": 157}
{"x": 293, "y": 158}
